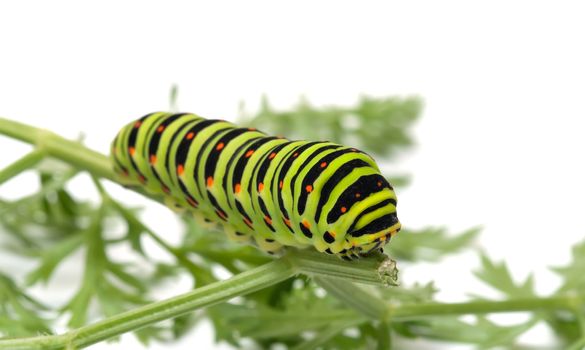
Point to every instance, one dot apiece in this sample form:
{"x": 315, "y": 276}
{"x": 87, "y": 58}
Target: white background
{"x": 500, "y": 143}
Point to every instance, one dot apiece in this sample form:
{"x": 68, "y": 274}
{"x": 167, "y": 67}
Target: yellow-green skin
{"x": 272, "y": 190}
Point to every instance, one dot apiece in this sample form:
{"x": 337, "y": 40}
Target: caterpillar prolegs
{"x": 274, "y": 191}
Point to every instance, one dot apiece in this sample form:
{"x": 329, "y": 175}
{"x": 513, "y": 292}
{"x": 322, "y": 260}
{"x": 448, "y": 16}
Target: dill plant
{"x": 302, "y": 300}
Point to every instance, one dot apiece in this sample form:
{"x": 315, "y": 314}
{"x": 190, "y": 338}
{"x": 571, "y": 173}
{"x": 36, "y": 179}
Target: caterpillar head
{"x": 371, "y": 218}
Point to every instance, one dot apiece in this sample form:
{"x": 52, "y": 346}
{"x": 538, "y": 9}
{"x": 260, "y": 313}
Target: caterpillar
{"x": 264, "y": 189}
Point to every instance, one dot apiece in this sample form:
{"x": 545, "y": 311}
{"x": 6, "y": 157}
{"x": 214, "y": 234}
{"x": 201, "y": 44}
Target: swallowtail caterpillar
{"x": 271, "y": 190}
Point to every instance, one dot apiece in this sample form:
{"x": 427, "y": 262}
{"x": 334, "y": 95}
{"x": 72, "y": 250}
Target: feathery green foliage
{"x": 300, "y": 300}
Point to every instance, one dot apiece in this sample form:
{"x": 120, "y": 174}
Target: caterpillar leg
{"x": 268, "y": 245}
{"x": 236, "y": 236}
{"x": 172, "y": 203}
{"x": 348, "y": 256}
{"x": 204, "y": 222}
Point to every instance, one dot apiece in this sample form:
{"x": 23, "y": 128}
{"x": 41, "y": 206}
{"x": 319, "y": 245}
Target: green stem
{"x": 414, "y": 311}
{"x": 251, "y": 281}
{"x": 56, "y": 146}
{"x": 373, "y": 306}
{"x": 28, "y": 161}
{"x": 377, "y": 269}
{"x": 355, "y": 297}
{"x": 578, "y": 345}
{"x": 329, "y": 332}
{"x": 384, "y": 333}
{"x": 244, "y": 283}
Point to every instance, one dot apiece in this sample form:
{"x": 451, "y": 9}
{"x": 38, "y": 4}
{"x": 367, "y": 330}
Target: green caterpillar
{"x": 273, "y": 190}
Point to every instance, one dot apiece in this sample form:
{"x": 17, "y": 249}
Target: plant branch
{"x": 578, "y": 345}
{"x": 244, "y": 283}
{"x": 329, "y": 332}
{"x": 355, "y": 297}
{"x": 377, "y": 269}
{"x": 374, "y": 307}
{"x": 414, "y": 311}
{"x": 58, "y": 147}
{"x": 26, "y": 162}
